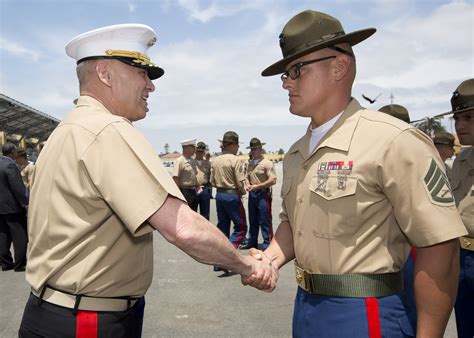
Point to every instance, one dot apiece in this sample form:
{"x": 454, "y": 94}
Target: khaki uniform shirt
{"x": 371, "y": 183}
{"x": 97, "y": 181}
{"x": 186, "y": 171}
{"x": 203, "y": 172}
{"x": 260, "y": 172}
{"x": 27, "y": 173}
{"x": 228, "y": 171}
{"x": 463, "y": 187}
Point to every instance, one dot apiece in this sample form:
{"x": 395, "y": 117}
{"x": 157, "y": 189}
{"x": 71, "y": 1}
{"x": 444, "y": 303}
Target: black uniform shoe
{"x": 7, "y": 267}
{"x": 218, "y": 268}
{"x": 248, "y": 246}
{"x": 20, "y": 269}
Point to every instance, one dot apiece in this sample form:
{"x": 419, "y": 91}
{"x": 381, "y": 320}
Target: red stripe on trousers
{"x": 86, "y": 324}
{"x": 413, "y": 253}
{"x": 269, "y": 205}
{"x": 373, "y": 317}
{"x": 242, "y": 226}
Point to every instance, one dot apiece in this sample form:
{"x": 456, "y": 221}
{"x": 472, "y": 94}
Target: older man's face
{"x": 464, "y": 124}
{"x": 132, "y": 87}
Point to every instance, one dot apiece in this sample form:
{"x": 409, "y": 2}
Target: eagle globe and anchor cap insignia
{"x": 437, "y": 185}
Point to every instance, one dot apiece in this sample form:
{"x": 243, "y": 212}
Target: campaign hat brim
{"x": 351, "y": 38}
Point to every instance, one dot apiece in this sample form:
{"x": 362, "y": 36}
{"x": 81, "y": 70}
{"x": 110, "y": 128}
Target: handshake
{"x": 264, "y": 274}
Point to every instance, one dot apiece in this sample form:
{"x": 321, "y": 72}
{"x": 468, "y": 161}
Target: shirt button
{"x": 300, "y": 199}
{"x": 305, "y": 167}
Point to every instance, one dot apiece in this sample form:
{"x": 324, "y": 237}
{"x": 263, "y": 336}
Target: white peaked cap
{"x": 126, "y": 42}
{"x": 190, "y": 142}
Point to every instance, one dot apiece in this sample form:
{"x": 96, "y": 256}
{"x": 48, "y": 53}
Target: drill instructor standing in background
{"x": 261, "y": 177}
{"x": 203, "y": 176}
{"x": 228, "y": 177}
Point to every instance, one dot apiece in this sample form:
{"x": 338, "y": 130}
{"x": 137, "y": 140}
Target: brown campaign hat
{"x": 21, "y": 153}
{"x": 255, "y": 143}
{"x": 230, "y": 137}
{"x": 201, "y": 146}
{"x": 397, "y": 111}
{"x": 444, "y": 138}
{"x": 462, "y": 99}
{"x": 310, "y": 31}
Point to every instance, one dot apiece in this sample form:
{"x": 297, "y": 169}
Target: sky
{"x": 213, "y": 53}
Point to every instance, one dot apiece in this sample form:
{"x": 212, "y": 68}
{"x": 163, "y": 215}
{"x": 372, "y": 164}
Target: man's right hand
{"x": 265, "y": 276}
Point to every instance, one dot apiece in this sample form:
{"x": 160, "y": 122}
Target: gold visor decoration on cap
{"x": 138, "y": 57}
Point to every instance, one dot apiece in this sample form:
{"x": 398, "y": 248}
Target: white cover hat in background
{"x": 190, "y": 142}
{"x": 128, "y": 43}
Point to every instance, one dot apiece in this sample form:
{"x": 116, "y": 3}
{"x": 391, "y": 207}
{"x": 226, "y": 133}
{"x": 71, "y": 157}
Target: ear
{"x": 104, "y": 72}
{"x": 341, "y": 67}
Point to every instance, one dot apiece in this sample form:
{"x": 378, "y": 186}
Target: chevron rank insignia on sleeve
{"x": 437, "y": 185}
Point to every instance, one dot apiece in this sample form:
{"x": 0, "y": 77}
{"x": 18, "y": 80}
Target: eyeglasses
{"x": 294, "y": 71}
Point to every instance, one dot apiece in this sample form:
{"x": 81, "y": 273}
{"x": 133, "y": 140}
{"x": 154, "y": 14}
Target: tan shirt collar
{"x": 338, "y": 137}
{"x": 89, "y": 101}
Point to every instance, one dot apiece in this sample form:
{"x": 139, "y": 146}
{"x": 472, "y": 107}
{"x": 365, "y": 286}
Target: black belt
{"x": 228, "y": 190}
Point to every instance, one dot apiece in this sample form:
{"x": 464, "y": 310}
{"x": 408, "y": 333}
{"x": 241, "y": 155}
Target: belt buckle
{"x": 466, "y": 242}
{"x": 301, "y": 277}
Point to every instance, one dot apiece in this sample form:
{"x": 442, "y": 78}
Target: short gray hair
{"x": 84, "y": 70}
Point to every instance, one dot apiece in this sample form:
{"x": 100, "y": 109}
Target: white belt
{"x": 86, "y": 303}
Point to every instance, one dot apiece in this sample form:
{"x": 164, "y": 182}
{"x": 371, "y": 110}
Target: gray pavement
{"x": 188, "y": 299}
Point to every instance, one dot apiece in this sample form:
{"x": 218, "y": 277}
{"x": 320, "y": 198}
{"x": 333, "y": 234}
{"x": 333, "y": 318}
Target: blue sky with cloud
{"x": 214, "y": 51}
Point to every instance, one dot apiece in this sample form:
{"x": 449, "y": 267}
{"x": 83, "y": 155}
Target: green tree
{"x": 281, "y": 152}
{"x": 430, "y": 125}
{"x": 167, "y": 148}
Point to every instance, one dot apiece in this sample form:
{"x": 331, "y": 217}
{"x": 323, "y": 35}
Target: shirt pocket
{"x": 335, "y": 202}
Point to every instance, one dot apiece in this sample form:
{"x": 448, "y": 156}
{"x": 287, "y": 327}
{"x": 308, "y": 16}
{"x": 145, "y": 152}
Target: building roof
{"x": 18, "y": 118}
{"x": 170, "y": 156}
